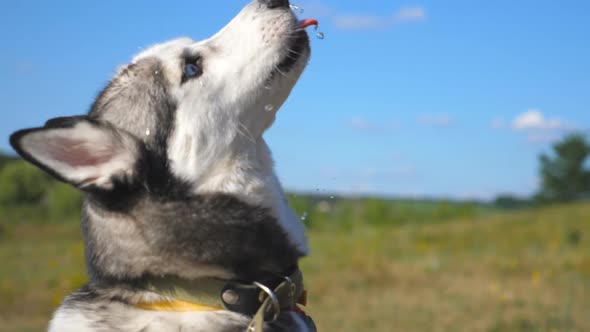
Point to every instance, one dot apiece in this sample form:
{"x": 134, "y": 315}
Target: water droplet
{"x": 148, "y": 132}
{"x": 157, "y": 72}
{"x": 319, "y": 34}
{"x": 269, "y": 107}
{"x": 304, "y": 216}
{"x": 297, "y": 8}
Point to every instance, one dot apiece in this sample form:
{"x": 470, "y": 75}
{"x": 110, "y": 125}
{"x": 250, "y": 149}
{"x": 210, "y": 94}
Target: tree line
{"x": 26, "y": 192}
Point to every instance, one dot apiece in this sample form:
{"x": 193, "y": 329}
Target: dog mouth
{"x": 297, "y": 47}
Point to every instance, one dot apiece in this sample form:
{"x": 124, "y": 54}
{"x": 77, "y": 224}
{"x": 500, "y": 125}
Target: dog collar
{"x": 261, "y": 301}
{"x": 176, "y": 306}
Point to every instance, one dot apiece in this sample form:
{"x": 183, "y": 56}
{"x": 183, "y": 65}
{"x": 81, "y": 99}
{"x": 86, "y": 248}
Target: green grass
{"x": 524, "y": 271}
{"x": 519, "y": 271}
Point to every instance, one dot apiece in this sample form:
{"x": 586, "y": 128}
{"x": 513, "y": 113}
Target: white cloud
{"x": 367, "y": 22}
{"x": 360, "y": 22}
{"x": 435, "y": 120}
{"x": 534, "y": 119}
{"x": 539, "y": 128}
{"x": 410, "y": 14}
{"x": 362, "y": 124}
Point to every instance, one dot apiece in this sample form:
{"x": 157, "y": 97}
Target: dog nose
{"x": 270, "y": 4}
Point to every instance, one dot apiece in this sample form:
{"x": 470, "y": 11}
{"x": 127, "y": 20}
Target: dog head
{"x": 183, "y": 118}
{"x": 194, "y": 103}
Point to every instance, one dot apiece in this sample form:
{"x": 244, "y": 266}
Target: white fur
{"x": 221, "y": 117}
{"x": 72, "y": 320}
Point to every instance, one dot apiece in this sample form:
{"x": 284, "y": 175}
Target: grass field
{"x": 519, "y": 271}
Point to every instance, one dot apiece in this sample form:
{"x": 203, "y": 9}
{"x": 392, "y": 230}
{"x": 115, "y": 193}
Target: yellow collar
{"x": 176, "y": 306}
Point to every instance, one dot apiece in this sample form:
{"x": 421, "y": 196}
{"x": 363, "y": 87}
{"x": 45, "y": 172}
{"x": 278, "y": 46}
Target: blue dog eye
{"x": 192, "y": 70}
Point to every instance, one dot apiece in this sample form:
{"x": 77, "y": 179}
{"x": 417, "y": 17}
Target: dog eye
{"x": 192, "y": 69}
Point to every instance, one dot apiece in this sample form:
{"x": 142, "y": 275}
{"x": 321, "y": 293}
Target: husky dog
{"x": 186, "y": 226}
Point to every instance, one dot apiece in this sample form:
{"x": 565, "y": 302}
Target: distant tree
{"x": 564, "y": 175}
{"x": 22, "y": 184}
{"x": 508, "y": 201}
{"x": 5, "y": 159}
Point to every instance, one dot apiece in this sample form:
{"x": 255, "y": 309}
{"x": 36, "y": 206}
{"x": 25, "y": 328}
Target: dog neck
{"x": 243, "y": 168}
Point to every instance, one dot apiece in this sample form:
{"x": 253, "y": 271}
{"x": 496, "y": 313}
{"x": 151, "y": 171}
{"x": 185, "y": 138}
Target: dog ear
{"x": 80, "y": 151}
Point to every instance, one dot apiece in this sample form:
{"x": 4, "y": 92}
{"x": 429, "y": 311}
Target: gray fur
{"x": 138, "y": 100}
{"x": 187, "y": 237}
{"x": 147, "y": 220}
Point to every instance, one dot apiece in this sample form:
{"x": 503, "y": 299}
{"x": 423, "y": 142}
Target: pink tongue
{"x": 307, "y": 23}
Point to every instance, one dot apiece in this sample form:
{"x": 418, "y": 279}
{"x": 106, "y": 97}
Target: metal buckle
{"x": 292, "y": 289}
{"x": 274, "y": 300}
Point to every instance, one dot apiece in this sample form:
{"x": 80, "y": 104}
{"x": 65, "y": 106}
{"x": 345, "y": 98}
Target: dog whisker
{"x": 280, "y": 71}
{"x": 294, "y": 52}
{"x": 243, "y": 130}
{"x": 285, "y": 76}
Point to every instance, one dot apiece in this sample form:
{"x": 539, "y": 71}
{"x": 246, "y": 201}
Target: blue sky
{"x": 421, "y": 98}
